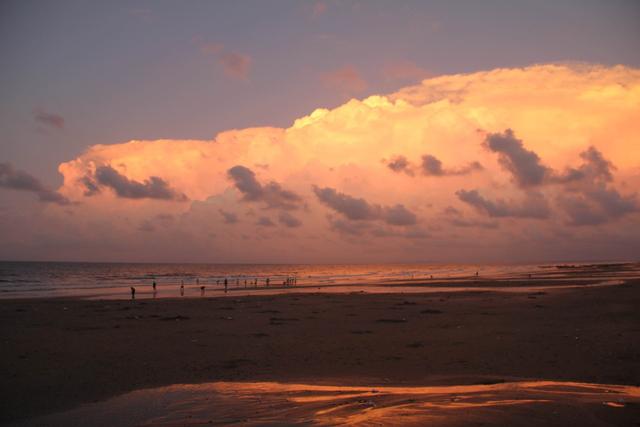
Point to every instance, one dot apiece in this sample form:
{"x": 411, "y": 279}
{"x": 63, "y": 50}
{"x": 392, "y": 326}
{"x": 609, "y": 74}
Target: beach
{"x": 59, "y": 353}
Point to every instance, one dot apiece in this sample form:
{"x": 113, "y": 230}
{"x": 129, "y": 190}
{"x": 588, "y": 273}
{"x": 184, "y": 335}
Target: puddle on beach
{"x": 269, "y": 403}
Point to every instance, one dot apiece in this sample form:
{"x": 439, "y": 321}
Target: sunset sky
{"x": 326, "y": 131}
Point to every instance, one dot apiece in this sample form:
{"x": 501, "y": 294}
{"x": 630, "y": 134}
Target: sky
{"x": 320, "y": 131}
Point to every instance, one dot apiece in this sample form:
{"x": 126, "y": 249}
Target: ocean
{"x": 114, "y": 280}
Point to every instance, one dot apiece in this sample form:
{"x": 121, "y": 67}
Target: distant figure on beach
{"x": 154, "y": 285}
{"x": 201, "y": 291}
{"x": 267, "y": 281}
{"x": 226, "y": 285}
{"x": 477, "y": 273}
{"x": 182, "y": 288}
{"x": 133, "y": 293}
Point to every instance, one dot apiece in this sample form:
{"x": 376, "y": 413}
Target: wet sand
{"x": 60, "y": 353}
{"x": 552, "y": 403}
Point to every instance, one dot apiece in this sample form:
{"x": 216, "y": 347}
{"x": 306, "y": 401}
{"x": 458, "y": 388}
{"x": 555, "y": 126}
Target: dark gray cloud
{"x": 90, "y": 186}
{"x": 229, "y": 217}
{"x": 351, "y": 207}
{"x": 590, "y": 198}
{"x": 152, "y": 188}
{"x": 432, "y": 166}
{"x": 400, "y": 164}
{"x": 533, "y": 206}
{"x": 597, "y": 206}
{"x": 22, "y": 181}
{"x": 398, "y": 215}
{"x": 288, "y": 220}
{"x": 264, "y": 221}
{"x": 358, "y": 209}
{"x": 48, "y": 119}
{"x": 594, "y": 170}
{"x": 457, "y": 219}
{"x": 525, "y": 165}
{"x": 348, "y": 227}
{"x": 147, "y": 226}
{"x": 272, "y": 193}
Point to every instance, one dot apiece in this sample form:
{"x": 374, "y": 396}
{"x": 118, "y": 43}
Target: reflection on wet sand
{"x": 270, "y": 403}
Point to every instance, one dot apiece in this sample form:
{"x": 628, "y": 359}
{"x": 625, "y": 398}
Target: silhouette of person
{"x": 154, "y": 285}
{"x": 201, "y": 291}
{"x": 267, "y": 282}
{"x": 133, "y": 293}
{"x": 226, "y": 285}
{"x": 182, "y": 288}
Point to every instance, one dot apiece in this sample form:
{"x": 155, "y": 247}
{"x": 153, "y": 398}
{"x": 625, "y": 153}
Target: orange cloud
{"x": 346, "y": 79}
{"x": 235, "y": 65}
{"x": 561, "y": 181}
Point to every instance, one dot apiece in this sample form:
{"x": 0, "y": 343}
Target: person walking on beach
{"x": 182, "y": 288}
{"x": 226, "y": 285}
{"x": 201, "y": 291}
{"x": 154, "y": 285}
{"x": 267, "y": 281}
{"x": 133, "y": 293}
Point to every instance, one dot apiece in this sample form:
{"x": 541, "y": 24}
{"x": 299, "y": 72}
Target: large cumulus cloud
{"x": 556, "y": 144}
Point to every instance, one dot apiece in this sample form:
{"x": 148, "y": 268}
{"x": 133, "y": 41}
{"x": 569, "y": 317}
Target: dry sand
{"x": 57, "y": 354}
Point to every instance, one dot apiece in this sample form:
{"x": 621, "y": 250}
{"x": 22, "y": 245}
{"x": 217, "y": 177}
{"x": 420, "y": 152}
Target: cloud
{"x": 14, "y": 179}
{"x": 49, "y": 120}
{"x": 351, "y": 207}
{"x": 431, "y": 166}
{"x": 597, "y": 206}
{"x": 400, "y": 164}
{"x": 152, "y": 188}
{"x": 595, "y": 169}
{"x": 358, "y": 209}
{"x": 348, "y": 227}
{"x": 398, "y": 215}
{"x": 234, "y": 64}
{"x": 456, "y": 218}
{"x": 589, "y": 197}
{"x": 229, "y": 217}
{"x": 272, "y": 193}
{"x": 347, "y": 80}
{"x": 264, "y": 221}
{"x": 525, "y": 165}
{"x": 288, "y": 220}
{"x": 557, "y": 112}
{"x": 533, "y": 206}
